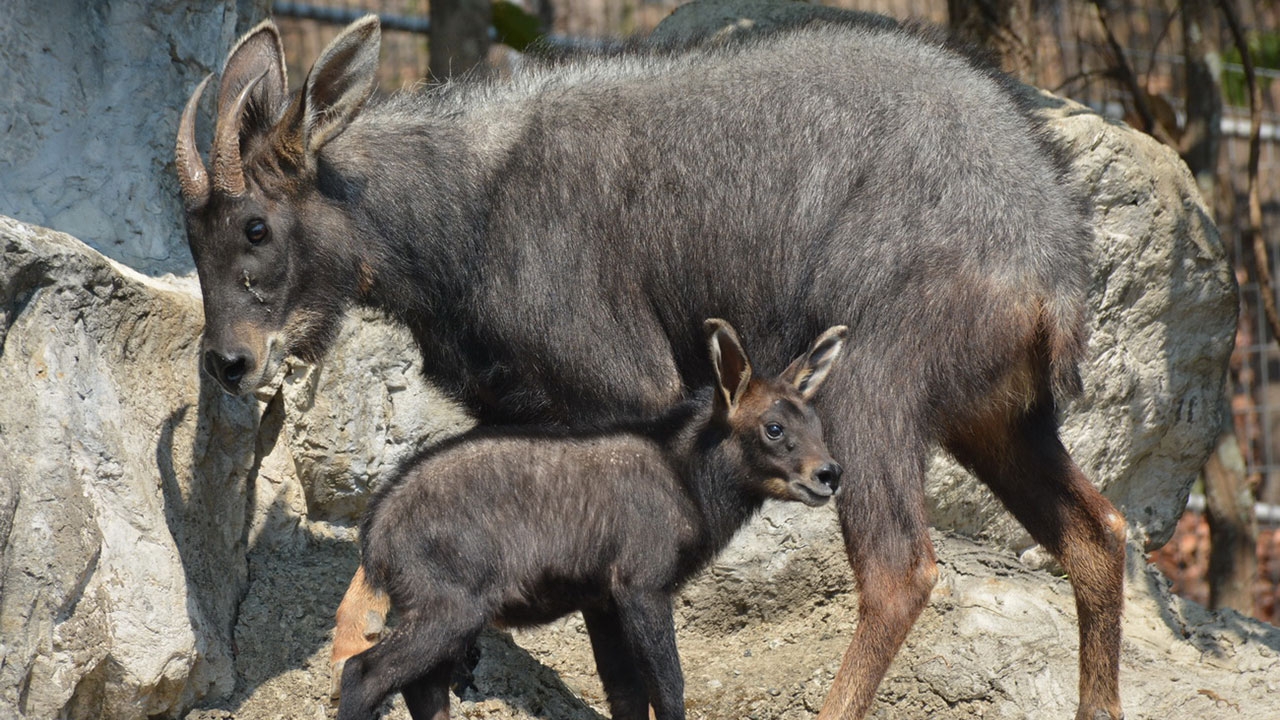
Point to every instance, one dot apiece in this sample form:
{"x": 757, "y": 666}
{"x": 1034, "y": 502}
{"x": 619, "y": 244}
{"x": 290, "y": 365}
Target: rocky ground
{"x": 997, "y": 641}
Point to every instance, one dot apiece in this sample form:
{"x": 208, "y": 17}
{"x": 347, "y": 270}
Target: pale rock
{"x": 120, "y": 575}
{"x": 354, "y": 417}
{"x": 90, "y": 91}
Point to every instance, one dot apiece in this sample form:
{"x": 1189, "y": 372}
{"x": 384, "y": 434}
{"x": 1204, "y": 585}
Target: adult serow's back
{"x": 831, "y": 174}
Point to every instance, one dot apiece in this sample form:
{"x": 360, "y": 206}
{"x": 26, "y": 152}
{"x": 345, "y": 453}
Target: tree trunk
{"x": 1233, "y": 530}
{"x": 1229, "y": 497}
{"x": 1201, "y": 137}
{"x": 1005, "y": 27}
{"x": 459, "y": 36}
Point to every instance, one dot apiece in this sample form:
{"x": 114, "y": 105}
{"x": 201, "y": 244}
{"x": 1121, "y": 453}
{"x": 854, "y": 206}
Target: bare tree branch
{"x": 1164, "y": 33}
{"x": 1125, "y": 74}
{"x": 1084, "y": 75}
{"x": 1201, "y": 136}
{"x": 1261, "y": 260}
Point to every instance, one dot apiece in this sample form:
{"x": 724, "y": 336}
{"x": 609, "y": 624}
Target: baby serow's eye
{"x": 773, "y": 430}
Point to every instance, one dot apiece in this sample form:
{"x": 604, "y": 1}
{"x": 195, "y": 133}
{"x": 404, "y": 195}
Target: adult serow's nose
{"x": 227, "y": 369}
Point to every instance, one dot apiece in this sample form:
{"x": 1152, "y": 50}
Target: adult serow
{"x": 549, "y": 240}
{"x": 523, "y": 526}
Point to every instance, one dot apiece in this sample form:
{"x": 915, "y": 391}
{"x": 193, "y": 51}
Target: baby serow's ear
{"x": 730, "y": 363}
{"x": 807, "y": 372}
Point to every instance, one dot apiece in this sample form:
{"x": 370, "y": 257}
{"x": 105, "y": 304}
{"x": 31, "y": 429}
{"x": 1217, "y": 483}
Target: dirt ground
{"x": 284, "y": 630}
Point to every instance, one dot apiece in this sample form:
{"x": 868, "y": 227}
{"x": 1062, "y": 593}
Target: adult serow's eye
{"x": 256, "y": 231}
{"x": 773, "y": 430}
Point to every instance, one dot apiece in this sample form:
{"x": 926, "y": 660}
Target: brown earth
{"x": 1185, "y": 560}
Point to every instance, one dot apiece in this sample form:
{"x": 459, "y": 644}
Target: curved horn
{"x": 228, "y": 172}
{"x": 192, "y": 177}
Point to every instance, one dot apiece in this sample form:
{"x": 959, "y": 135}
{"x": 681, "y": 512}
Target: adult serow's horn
{"x": 228, "y": 172}
{"x": 192, "y": 177}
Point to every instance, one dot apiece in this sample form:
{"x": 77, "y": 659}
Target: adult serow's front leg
{"x": 886, "y": 535}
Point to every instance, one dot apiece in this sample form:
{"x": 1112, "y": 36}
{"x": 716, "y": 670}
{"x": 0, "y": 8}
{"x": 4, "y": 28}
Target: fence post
{"x": 459, "y": 36}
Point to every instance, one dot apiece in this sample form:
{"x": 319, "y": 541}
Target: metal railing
{"x": 344, "y": 16}
{"x": 1266, "y": 514}
{"x": 409, "y": 23}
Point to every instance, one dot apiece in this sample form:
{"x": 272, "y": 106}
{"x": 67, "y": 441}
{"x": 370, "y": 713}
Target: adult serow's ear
{"x": 339, "y": 83}
{"x": 260, "y": 53}
{"x": 807, "y": 372}
{"x": 251, "y": 95}
{"x": 730, "y": 363}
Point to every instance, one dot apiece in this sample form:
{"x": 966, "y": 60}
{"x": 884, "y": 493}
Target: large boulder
{"x": 133, "y": 491}
{"x": 89, "y": 94}
{"x": 126, "y": 479}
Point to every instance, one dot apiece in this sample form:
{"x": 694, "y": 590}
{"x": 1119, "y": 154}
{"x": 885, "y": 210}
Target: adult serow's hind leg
{"x": 882, "y": 517}
{"x": 358, "y": 624}
{"x": 1020, "y": 456}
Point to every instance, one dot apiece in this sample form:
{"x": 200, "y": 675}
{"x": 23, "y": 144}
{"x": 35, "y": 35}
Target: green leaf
{"x": 1265, "y": 49}
{"x": 515, "y": 27}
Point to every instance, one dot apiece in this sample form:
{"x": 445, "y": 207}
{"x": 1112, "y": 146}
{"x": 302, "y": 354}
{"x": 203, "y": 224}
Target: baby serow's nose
{"x": 829, "y": 475}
